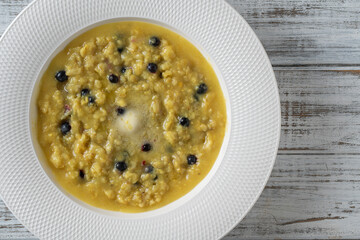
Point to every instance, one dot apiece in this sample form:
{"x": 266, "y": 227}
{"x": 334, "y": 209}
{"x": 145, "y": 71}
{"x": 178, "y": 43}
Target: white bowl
{"x": 33, "y": 113}
{"x": 215, "y": 205}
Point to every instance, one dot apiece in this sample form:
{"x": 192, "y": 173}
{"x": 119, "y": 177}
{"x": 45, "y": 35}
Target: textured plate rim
{"x": 1, "y": 39}
{"x": 277, "y": 95}
{"x": 279, "y": 127}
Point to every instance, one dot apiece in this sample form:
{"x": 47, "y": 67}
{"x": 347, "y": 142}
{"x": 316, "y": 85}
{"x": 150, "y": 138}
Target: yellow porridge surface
{"x": 131, "y": 116}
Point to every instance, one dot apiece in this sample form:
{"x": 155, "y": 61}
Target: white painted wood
{"x": 9, "y": 9}
{"x": 314, "y": 190}
{"x": 293, "y": 32}
{"x": 10, "y": 227}
{"x": 305, "y": 32}
{"x": 307, "y": 197}
{"x": 320, "y": 111}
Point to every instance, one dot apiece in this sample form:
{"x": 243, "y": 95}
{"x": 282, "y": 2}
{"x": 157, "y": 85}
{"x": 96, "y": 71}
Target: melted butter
{"x": 129, "y": 122}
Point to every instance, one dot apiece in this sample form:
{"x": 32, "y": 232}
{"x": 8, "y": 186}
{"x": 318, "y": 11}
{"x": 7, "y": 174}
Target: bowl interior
{"x": 33, "y": 112}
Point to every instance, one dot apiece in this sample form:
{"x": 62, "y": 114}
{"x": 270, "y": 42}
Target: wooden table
{"x": 314, "y": 189}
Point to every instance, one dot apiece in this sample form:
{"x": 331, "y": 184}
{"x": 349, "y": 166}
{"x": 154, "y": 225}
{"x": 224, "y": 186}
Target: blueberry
{"x": 148, "y": 169}
{"x": 85, "y": 92}
{"x": 91, "y": 99}
{"x": 113, "y": 78}
{"x": 120, "y": 50}
{"x": 152, "y": 67}
{"x": 123, "y": 70}
{"x": 191, "y": 159}
{"x": 65, "y": 127}
{"x": 161, "y": 75}
{"x": 61, "y": 76}
{"x": 184, "y": 121}
{"x": 202, "y": 88}
{"x": 154, "y": 41}
{"x": 146, "y": 147}
{"x": 81, "y": 174}
{"x": 121, "y": 166}
{"x": 120, "y": 110}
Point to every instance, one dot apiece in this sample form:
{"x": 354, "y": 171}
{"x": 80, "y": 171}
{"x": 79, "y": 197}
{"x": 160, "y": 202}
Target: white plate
{"x": 220, "y": 201}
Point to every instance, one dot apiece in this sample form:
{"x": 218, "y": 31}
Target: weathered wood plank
{"x": 307, "y": 197}
{"x": 302, "y": 32}
{"x": 10, "y": 227}
{"x": 296, "y": 33}
{"x": 9, "y": 10}
{"x": 320, "y": 111}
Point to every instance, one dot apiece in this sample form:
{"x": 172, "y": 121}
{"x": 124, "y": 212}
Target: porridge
{"x": 131, "y": 116}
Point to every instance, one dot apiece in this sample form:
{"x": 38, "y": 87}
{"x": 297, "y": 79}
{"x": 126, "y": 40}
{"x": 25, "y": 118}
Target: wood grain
{"x": 307, "y": 197}
{"x": 293, "y": 32}
{"x": 10, "y": 227}
{"x": 305, "y": 32}
{"x": 9, "y": 9}
{"x": 314, "y": 189}
{"x": 320, "y": 111}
